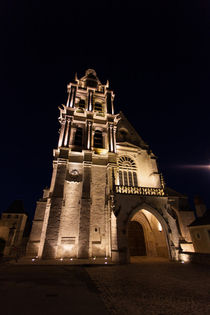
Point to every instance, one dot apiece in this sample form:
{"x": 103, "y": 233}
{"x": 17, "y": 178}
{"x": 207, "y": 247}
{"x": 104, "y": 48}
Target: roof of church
{"x": 204, "y": 220}
{"x": 127, "y": 133}
{"x": 16, "y": 207}
{"x": 173, "y": 193}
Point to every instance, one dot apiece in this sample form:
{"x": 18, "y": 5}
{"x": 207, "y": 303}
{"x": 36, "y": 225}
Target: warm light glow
{"x": 160, "y": 227}
{"x": 61, "y": 259}
{"x": 184, "y": 258}
{"x": 187, "y": 247}
{"x": 150, "y": 191}
{"x": 105, "y": 263}
{"x": 33, "y": 259}
{"x": 100, "y": 151}
{"x": 105, "y": 258}
{"x": 67, "y": 247}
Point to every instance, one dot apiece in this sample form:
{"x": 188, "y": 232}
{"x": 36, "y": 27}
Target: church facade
{"x": 107, "y": 197}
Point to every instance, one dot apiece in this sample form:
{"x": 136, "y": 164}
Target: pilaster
{"x": 52, "y": 231}
{"x": 84, "y": 226}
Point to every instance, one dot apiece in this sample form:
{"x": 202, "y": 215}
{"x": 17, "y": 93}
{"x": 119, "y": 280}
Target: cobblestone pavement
{"x": 152, "y": 287}
{"x": 48, "y": 290}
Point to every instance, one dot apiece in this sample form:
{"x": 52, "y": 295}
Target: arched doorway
{"x": 146, "y": 236}
{"x": 136, "y": 240}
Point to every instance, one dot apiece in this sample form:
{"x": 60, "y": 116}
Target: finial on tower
{"x": 90, "y": 71}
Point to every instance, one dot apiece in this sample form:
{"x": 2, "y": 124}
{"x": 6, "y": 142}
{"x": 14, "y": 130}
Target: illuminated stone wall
{"x": 98, "y": 217}
{"x": 201, "y": 238}
{"x": 86, "y": 211}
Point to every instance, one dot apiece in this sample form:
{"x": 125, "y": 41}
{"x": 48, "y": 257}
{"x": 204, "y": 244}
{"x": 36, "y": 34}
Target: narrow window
{"x": 125, "y": 175}
{"x": 98, "y": 107}
{"x": 130, "y": 179}
{"x": 82, "y": 103}
{"x": 198, "y": 236}
{"x": 135, "y": 179}
{"x": 98, "y": 139}
{"x": 78, "y": 136}
{"x": 120, "y": 178}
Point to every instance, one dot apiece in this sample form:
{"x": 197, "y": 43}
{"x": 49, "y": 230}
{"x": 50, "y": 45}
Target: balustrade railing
{"x": 144, "y": 191}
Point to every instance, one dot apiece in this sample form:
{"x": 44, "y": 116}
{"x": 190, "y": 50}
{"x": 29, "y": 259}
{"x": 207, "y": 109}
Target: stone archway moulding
{"x": 159, "y": 217}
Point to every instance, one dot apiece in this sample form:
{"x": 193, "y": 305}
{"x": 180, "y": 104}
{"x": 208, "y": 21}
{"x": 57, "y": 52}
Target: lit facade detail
{"x": 104, "y": 177}
{"x": 144, "y": 191}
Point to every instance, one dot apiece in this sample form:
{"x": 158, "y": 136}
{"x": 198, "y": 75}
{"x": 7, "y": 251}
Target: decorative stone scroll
{"x": 74, "y": 176}
{"x": 144, "y": 191}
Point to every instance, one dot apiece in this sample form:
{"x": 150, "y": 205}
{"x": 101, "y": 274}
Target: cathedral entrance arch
{"x": 146, "y": 235}
{"x": 136, "y": 239}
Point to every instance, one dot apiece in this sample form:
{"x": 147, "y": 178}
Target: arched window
{"x": 98, "y": 139}
{"x": 127, "y": 171}
{"x": 78, "y": 136}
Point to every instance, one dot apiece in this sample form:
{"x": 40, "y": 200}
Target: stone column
{"x": 110, "y": 138}
{"x": 70, "y": 133}
{"x": 66, "y": 138}
{"x": 114, "y": 240}
{"x": 114, "y": 139}
{"x": 90, "y": 101}
{"x": 68, "y": 99}
{"x": 67, "y": 132}
{"x": 62, "y": 129}
{"x": 89, "y": 135}
{"x": 92, "y": 137}
{"x": 72, "y": 97}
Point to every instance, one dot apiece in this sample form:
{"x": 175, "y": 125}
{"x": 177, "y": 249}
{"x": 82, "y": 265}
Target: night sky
{"x": 156, "y": 55}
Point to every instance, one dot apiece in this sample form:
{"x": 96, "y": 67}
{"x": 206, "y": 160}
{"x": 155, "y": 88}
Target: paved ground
{"x": 43, "y": 290}
{"x": 144, "y": 287}
{"x": 154, "y": 287}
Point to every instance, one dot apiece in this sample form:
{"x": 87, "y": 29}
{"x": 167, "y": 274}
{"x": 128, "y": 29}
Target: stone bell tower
{"x": 105, "y": 177}
{"x": 73, "y": 217}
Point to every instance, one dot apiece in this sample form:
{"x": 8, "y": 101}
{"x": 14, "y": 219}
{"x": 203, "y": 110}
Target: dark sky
{"x": 156, "y": 55}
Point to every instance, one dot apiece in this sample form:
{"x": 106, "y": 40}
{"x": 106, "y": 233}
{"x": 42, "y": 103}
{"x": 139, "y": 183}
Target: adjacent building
{"x": 200, "y": 228}
{"x": 12, "y": 226}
